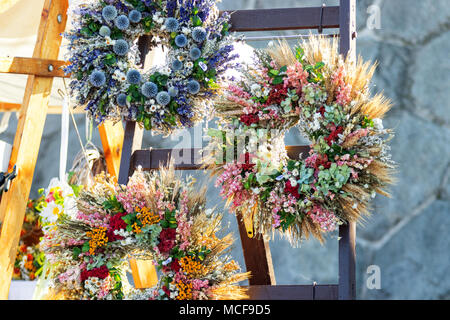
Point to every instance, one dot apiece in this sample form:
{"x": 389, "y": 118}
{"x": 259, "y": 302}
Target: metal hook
{"x": 321, "y": 18}
{"x": 61, "y": 94}
{"x": 6, "y": 178}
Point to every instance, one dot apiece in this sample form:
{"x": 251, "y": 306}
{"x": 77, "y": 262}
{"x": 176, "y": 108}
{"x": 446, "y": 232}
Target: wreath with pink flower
{"x": 328, "y": 99}
{"x": 105, "y": 67}
{"x": 156, "y": 216}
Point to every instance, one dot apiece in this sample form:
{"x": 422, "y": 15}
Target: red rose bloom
{"x": 292, "y": 190}
{"x": 166, "y": 291}
{"x": 116, "y": 223}
{"x": 166, "y": 240}
{"x": 249, "y": 119}
{"x": 317, "y": 160}
{"x": 333, "y": 135}
{"x": 322, "y": 110}
{"x": 100, "y": 273}
{"x": 175, "y": 266}
{"x": 276, "y": 95}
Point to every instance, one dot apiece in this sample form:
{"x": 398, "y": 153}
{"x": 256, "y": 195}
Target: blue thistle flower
{"x": 97, "y": 78}
{"x": 149, "y": 89}
{"x": 193, "y": 87}
{"x": 122, "y": 22}
{"x": 109, "y": 13}
{"x": 135, "y": 16}
{"x": 121, "y": 47}
{"x": 133, "y": 76}
{"x": 181, "y": 40}
{"x": 163, "y": 98}
{"x": 105, "y": 31}
{"x": 122, "y": 100}
{"x": 171, "y": 24}
{"x": 173, "y": 91}
{"x": 195, "y": 53}
{"x": 177, "y": 64}
{"x": 199, "y": 34}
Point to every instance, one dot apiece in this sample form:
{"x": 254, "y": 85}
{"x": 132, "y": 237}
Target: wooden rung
{"x": 14, "y": 107}
{"x": 33, "y": 66}
{"x": 284, "y": 19}
{"x": 293, "y": 292}
{"x": 188, "y": 158}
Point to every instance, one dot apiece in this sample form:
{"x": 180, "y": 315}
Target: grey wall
{"x": 407, "y": 236}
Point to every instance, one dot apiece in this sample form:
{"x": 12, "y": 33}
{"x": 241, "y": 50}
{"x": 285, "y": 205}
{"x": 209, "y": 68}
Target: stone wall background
{"x": 407, "y": 236}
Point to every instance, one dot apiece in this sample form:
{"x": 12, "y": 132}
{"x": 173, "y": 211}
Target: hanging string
{"x": 88, "y": 128}
{"x": 75, "y": 124}
{"x": 64, "y": 136}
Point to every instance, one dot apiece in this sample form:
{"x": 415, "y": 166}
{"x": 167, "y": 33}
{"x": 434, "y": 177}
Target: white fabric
{"x": 5, "y": 154}
{"x": 21, "y": 290}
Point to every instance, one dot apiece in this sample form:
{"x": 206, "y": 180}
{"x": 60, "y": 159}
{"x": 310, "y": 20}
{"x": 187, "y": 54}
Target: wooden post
{"x": 111, "y": 135}
{"x": 347, "y": 233}
{"x": 257, "y": 256}
{"x": 28, "y": 137}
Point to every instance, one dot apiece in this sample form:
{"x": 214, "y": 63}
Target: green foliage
{"x": 85, "y": 247}
{"x": 286, "y": 220}
{"x": 367, "y": 122}
{"x": 110, "y": 59}
{"x": 148, "y": 23}
{"x": 277, "y": 75}
{"x": 116, "y": 33}
{"x": 332, "y": 179}
{"x": 169, "y": 220}
{"x": 75, "y": 252}
{"x": 113, "y": 205}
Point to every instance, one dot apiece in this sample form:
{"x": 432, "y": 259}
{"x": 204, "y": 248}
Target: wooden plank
{"x": 132, "y": 141}
{"x": 27, "y": 140}
{"x": 111, "y": 136}
{"x": 33, "y": 66}
{"x": 347, "y": 29}
{"x": 347, "y": 261}
{"x": 257, "y": 256}
{"x": 152, "y": 159}
{"x": 347, "y": 232}
{"x": 326, "y": 292}
{"x": 144, "y": 273}
{"x": 14, "y": 107}
{"x": 280, "y": 292}
{"x": 284, "y": 19}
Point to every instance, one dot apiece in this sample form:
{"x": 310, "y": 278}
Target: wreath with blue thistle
{"x": 105, "y": 66}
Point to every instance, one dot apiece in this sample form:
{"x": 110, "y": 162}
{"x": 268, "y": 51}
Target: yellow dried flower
{"x": 146, "y": 217}
{"x": 191, "y": 266}
{"x": 184, "y": 290}
{"x": 98, "y": 239}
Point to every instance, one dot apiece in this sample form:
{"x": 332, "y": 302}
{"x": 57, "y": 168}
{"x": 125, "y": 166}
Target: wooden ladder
{"x": 41, "y": 68}
{"x": 256, "y": 251}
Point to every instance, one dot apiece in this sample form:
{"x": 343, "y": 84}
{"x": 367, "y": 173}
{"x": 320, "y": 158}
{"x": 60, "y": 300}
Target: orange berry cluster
{"x": 146, "y": 217}
{"x": 191, "y": 266}
{"x": 98, "y": 238}
{"x": 136, "y": 228}
{"x": 184, "y": 290}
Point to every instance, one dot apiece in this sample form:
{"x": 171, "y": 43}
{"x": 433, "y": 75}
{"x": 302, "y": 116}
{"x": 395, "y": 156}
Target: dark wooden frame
{"x": 256, "y": 251}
